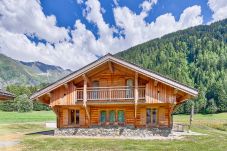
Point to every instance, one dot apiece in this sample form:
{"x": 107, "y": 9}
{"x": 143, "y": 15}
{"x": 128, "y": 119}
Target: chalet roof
{"x": 6, "y": 95}
{"x": 120, "y": 61}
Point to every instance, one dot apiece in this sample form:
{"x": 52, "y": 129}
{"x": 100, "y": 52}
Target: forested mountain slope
{"x": 196, "y": 56}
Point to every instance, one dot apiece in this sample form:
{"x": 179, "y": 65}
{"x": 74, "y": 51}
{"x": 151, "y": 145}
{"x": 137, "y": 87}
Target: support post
{"x": 136, "y": 94}
{"x": 85, "y": 96}
{"x": 191, "y": 116}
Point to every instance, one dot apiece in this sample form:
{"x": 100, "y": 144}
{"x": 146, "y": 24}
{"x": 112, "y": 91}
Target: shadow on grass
{"x": 50, "y": 133}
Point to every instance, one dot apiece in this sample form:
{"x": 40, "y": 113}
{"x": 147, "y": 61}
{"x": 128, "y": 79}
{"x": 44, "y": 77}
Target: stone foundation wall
{"x": 116, "y": 131}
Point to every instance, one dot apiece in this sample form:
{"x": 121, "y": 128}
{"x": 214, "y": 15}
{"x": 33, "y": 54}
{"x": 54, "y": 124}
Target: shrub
{"x": 37, "y": 106}
{"x": 8, "y": 106}
{"x": 23, "y": 104}
{"x": 211, "y": 107}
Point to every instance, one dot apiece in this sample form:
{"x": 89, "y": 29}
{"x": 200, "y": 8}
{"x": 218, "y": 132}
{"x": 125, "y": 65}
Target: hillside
{"x": 196, "y": 56}
{"x": 28, "y": 73}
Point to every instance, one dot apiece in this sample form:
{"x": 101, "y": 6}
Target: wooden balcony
{"x": 110, "y": 93}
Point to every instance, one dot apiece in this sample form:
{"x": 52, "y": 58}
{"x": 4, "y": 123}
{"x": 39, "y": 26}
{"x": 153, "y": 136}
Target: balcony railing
{"x": 111, "y": 93}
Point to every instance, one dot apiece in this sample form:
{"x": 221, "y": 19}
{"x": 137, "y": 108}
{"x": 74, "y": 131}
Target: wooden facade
{"x": 113, "y": 93}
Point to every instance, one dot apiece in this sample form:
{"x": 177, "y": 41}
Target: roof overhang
{"x": 153, "y": 75}
{"x": 4, "y": 95}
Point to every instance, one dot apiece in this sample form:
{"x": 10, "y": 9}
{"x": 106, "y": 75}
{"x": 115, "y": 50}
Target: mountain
{"x": 28, "y": 73}
{"x": 195, "y": 56}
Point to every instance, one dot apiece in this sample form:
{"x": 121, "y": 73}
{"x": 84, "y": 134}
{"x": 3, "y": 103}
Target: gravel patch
{"x": 8, "y": 143}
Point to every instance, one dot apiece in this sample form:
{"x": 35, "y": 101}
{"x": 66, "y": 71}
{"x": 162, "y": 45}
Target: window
{"x": 103, "y": 117}
{"x": 95, "y": 85}
{"x": 121, "y": 116}
{"x": 112, "y": 116}
{"x": 151, "y": 117}
{"x": 129, "y": 91}
{"x": 74, "y": 116}
{"x": 148, "y": 119}
{"x": 154, "y": 116}
{"x": 77, "y": 116}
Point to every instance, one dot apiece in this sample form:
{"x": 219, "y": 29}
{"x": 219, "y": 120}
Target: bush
{"x": 37, "y": 106}
{"x": 211, "y": 107}
{"x": 23, "y": 104}
{"x": 8, "y": 106}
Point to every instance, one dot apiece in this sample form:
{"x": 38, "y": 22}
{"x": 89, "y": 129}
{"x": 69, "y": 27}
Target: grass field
{"x": 15, "y": 117}
{"x": 213, "y": 125}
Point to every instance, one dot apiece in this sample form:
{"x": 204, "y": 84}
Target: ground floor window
{"x": 103, "y": 117}
{"x": 121, "y": 116}
{"x": 112, "y": 116}
{"x": 77, "y": 116}
{"x": 151, "y": 117}
{"x": 74, "y": 116}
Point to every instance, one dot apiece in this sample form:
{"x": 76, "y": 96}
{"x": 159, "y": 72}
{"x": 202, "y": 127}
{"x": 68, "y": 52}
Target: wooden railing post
{"x": 110, "y": 94}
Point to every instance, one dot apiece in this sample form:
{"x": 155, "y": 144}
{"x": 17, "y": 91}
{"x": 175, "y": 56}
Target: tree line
{"x": 21, "y": 102}
{"x": 196, "y": 57}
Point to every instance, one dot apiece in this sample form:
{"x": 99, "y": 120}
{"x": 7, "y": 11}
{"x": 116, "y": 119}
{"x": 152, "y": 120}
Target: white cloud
{"x": 219, "y": 8}
{"x": 26, "y": 16}
{"x": 115, "y": 2}
{"x": 147, "y": 5}
{"x": 83, "y": 47}
{"x": 79, "y": 1}
{"x": 137, "y": 30}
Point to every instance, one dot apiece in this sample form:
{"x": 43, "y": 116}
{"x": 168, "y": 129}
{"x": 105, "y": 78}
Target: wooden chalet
{"x": 4, "y": 95}
{"x": 111, "y": 91}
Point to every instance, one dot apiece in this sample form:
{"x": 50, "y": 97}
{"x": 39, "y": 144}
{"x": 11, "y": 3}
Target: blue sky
{"x": 72, "y": 33}
{"x": 67, "y": 11}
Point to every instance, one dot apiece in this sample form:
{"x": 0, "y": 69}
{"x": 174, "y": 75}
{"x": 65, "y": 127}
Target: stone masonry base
{"x": 113, "y": 131}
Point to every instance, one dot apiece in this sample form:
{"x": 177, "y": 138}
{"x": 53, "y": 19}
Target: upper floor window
{"x": 95, "y": 83}
{"x": 129, "y": 83}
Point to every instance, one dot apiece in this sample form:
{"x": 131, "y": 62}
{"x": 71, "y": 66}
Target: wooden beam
{"x": 66, "y": 85}
{"x": 171, "y": 109}
{"x": 110, "y": 66}
{"x": 136, "y": 93}
{"x": 85, "y": 92}
{"x": 49, "y": 95}
{"x": 155, "y": 83}
{"x": 183, "y": 98}
{"x": 88, "y": 115}
{"x": 85, "y": 95}
{"x": 175, "y": 91}
{"x": 86, "y": 78}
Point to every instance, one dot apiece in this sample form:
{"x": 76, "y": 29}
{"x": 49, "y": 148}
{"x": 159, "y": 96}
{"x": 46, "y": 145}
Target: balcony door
{"x": 129, "y": 91}
{"x": 95, "y": 85}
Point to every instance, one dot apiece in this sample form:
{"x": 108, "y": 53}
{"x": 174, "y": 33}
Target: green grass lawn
{"x": 35, "y": 116}
{"x": 215, "y": 126}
